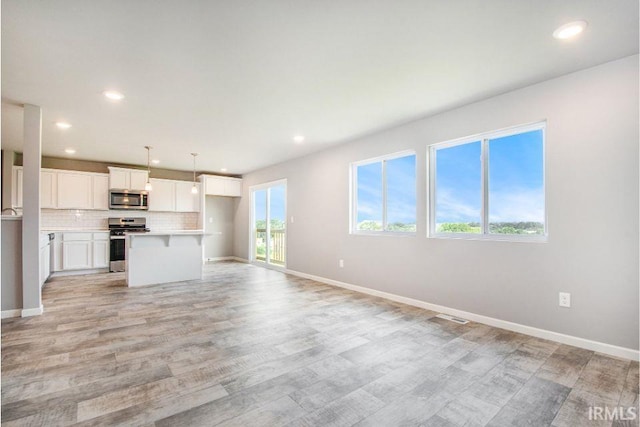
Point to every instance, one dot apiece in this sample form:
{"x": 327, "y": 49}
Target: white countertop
{"x": 170, "y": 233}
{"x": 75, "y": 230}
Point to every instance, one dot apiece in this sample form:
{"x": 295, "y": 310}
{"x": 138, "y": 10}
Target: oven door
{"x": 117, "y": 254}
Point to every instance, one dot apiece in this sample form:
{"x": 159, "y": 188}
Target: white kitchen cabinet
{"x": 138, "y": 180}
{"x": 186, "y": 201}
{"x": 163, "y": 196}
{"x": 100, "y": 250}
{"x": 223, "y": 186}
{"x": 75, "y": 190}
{"x": 44, "y": 264}
{"x": 56, "y": 247}
{"x": 83, "y": 250}
{"x": 119, "y": 179}
{"x": 16, "y": 190}
{"x": 214, "y": 186}
{"x": 127, "y": 179}
{"x": 76, "y": 255}
{"x": 45, "y": 258}
{"x": 100, "y": 194}
{"x": 48, "y": 189}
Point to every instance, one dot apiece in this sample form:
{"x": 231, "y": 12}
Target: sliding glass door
{"x": 269, "y": 219}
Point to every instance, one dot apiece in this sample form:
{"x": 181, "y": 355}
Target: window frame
{"x": 484, "y": 139}
{"x": 353, "y": 194}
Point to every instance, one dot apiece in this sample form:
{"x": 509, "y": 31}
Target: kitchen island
{"x": 163, "y": 257}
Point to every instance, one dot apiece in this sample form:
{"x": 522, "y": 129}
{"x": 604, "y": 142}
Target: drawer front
{"x": 76, "y": 237}
{"x": 100, "y": 236}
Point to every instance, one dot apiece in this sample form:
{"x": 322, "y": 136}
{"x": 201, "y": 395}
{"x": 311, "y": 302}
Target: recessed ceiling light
{"x": 113, "y": 95}
{"x": 70, "y": 151}
{"x": 155, "y": 161}
{"x": 223, "y": 170}
{"x": 298, "y": 138}
{"x": 63, "y": 125}
{"x": 569, "y": 30}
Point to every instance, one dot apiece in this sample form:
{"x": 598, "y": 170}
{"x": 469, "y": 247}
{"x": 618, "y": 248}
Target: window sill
{"x": 384, "y": 233}
{"x": 518, "y": 238}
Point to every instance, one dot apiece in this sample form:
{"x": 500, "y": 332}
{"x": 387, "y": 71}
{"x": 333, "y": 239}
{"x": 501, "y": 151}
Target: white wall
{"x": 592, "y": 196}
{"x": 218, "y": 223}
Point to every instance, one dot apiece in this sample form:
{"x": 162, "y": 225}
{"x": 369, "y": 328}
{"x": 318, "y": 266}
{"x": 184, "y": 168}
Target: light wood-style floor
{"x": 249, "y": 346}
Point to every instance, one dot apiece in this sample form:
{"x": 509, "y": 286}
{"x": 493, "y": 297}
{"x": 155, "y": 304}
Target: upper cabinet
{"x": 16, "y": 188}
{"x": 100, "y": 191}
{"x": 61, "y": 189}
{"x": 127, "y": 179}
{"x": 80, "y": 190}
{"x": 75, "y": 191}
{"x": 173, "y": 196}
{"x": 48, "y": 189}
{"x": 222, "y": 186}
{"x": 186, "y": 200}
{"x": 162, "y": 197}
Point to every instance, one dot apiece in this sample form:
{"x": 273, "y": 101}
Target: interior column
{"x": 31, "y": 158}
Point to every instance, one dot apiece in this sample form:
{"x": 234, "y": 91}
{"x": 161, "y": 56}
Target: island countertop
{"x": 164, "y": 256}
{"x": 169, "y": 233}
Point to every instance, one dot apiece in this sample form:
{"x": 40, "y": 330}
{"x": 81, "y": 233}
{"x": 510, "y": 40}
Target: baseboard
{"x": 246, "y": 261}
{"x": 7, "y": 314}
{"x": 612, "y": 350}
{"x": 28, "y": 312}
{"x": 63, "y": 273}
{"x": 220, "y": 258}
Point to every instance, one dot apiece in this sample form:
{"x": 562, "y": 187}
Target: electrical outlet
{"x": 341, "y": 263}
{"x": 565, "y": 299}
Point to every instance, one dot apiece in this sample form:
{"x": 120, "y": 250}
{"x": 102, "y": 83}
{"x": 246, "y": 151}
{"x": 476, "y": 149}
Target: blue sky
{"x": 515, "y": 183}
{"x": 516, "y": 190}
{"x": 401, "y": 192}
{"x": 277, "y": 202}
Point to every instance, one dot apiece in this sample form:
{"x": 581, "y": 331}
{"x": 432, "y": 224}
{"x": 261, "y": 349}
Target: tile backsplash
{"x": 90, "y": 220}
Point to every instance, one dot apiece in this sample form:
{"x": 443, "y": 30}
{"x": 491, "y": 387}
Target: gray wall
{"x": 592, "y": 208}
{"x": 7, "y": 177}
{"x": 11, "y": 295}
{"x": 218, "y": 220}
{"x": 103, "y": 167}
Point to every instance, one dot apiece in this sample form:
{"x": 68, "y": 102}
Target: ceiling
{"x": 236, "y": 80}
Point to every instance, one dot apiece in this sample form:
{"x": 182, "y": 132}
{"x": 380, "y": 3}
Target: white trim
{"x": 244, "y": 260}
{"x": 478, "y": 137}
{"x": 609, "y": 349}
{"x": 268, "y": 186}
{"x": 63, "y": 273}
{"x": 484, "y": 140}
{"x": 220, "y": 258}
{"x": 353, "y": 193}
{"x": 28, "y": 312}
{"x": 392, "y": 156}
{"x": 6, "y": 314}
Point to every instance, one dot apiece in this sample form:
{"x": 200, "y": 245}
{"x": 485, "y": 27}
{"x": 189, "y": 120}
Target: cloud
{"x": 516, "y": 204}
{"x": 455, "y": 207}
{"x": 505, "y": 205}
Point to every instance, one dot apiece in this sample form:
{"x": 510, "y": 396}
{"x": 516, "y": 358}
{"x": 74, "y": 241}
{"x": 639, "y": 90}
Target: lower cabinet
{"x": 83, "y": 251}
{"x": 100, "y": 253}
{"x": 44, "y": 263}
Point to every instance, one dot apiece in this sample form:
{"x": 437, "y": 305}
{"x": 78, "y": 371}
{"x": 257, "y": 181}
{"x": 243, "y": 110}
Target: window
{"x": 384, "y": 194}
{"x": 489, "y": 186}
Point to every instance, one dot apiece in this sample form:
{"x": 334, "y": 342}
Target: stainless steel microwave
{"x": 128, "y": 200}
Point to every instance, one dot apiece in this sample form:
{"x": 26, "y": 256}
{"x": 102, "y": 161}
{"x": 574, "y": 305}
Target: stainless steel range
{"x": 117, "y": 228}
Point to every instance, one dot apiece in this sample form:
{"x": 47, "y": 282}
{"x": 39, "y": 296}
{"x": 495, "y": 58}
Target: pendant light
{"x": 147, "y": 186}
{"x": 194, "y": 189}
